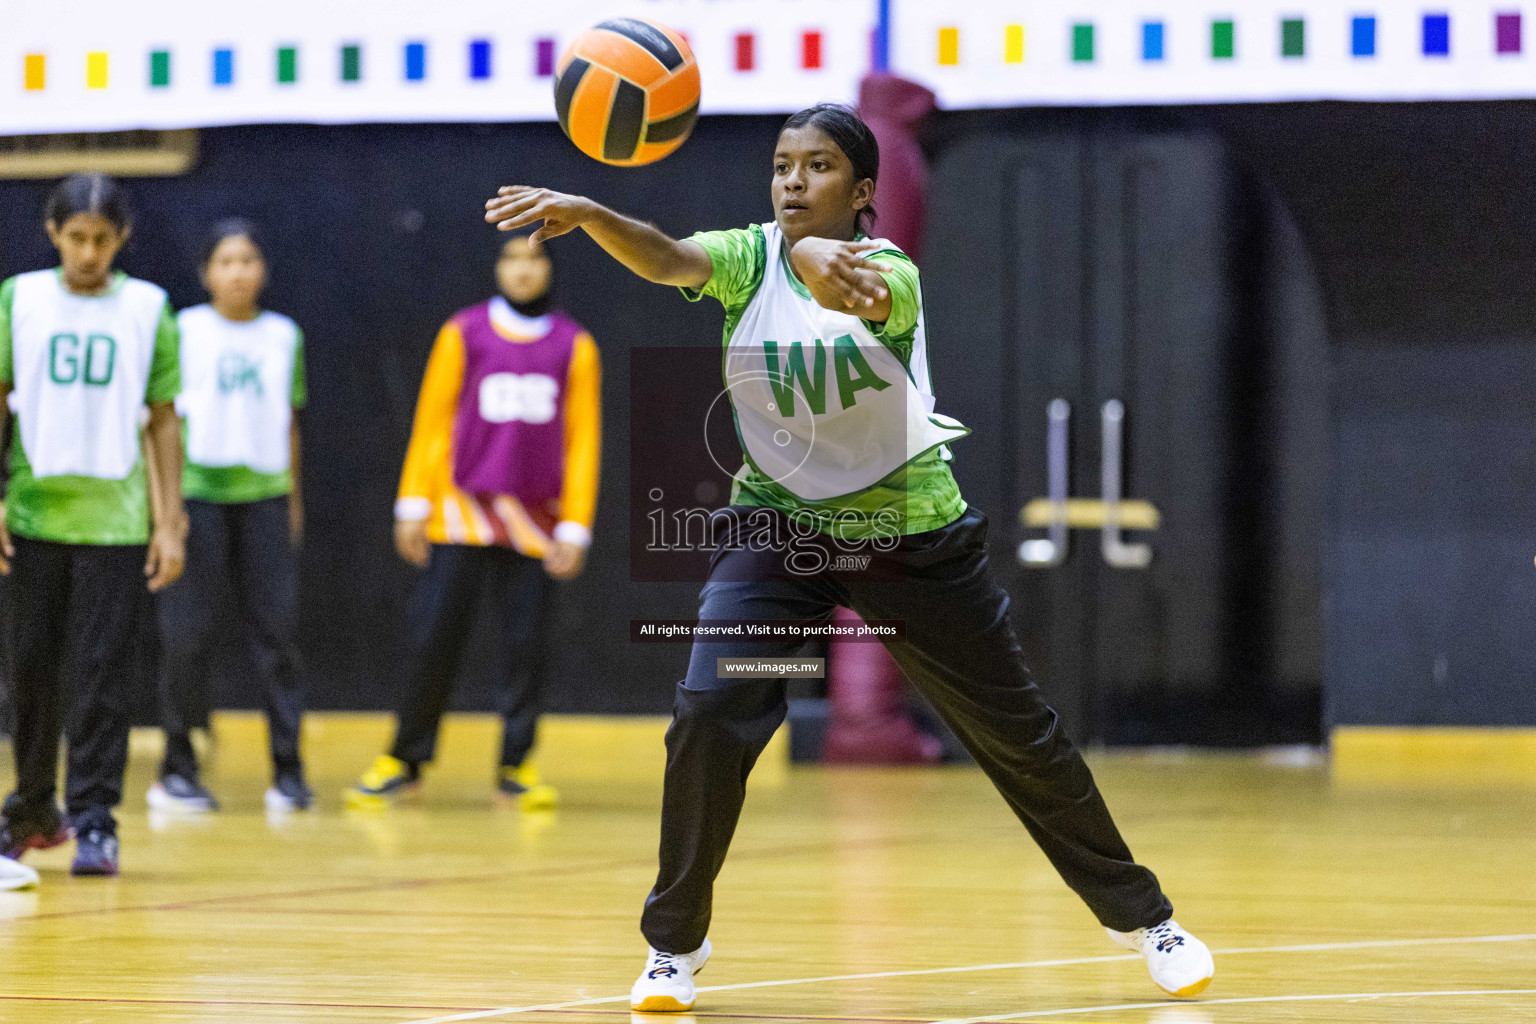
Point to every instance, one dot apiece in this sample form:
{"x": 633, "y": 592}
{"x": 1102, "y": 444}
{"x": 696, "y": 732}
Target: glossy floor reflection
{"x": 852, "y": 895}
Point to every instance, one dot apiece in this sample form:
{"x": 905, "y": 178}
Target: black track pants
{"x": 74, "y": 609}
{"x": 249, "y": 543}
{"x": 959, "y": 650}
{"x": 442, "y": 610}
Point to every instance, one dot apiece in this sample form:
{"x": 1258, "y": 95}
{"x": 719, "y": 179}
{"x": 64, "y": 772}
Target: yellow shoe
{"x": 522, "y": 784}
{"x": 388, "y": 779}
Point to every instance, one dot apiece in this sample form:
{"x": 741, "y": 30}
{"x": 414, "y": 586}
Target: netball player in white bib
{"x": 242, "y": 376}
{"x": 826, "y": 363}
{"x": 83, "y": 350}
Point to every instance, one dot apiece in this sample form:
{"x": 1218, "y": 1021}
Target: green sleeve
{"x": 899, "y": 329}
{"x": 300, "y": 383}
{"x": 738, "y": 257}
{"x": 165, "y": 364}
{"x": 7, "y": 357}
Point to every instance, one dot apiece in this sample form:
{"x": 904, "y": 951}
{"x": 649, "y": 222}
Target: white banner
{"x": 110, "y": 64}
{"x": 89, "y": 65}
{"x": 1026, "y": 52}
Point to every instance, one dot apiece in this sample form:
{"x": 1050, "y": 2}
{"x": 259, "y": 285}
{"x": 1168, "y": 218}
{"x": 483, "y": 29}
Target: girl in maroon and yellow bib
{"x": 497, "y": 497}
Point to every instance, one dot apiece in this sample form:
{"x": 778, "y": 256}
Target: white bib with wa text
{"x": 822, "y": 406}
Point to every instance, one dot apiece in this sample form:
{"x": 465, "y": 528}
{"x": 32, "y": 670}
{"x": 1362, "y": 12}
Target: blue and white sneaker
{"x": 95, "y": 853}
{"x": 180, "y": 794}
{"x": 288, "y": 793}
{"x": 666, "y": 984}
{"x": 1180, "y": 964}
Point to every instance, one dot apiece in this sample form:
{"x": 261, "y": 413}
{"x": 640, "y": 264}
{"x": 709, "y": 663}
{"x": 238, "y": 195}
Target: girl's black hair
{"x": 230, "y": 227}
{"x": 843, "y": 126}
{"x": 92, "y": 193}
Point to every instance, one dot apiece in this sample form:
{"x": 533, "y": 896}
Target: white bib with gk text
{"x": 237, "y": 388}
{"x": 822, "y": 406}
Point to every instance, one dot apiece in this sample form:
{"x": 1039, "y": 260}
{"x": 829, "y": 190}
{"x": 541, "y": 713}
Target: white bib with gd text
{"x": 81, "y": 367}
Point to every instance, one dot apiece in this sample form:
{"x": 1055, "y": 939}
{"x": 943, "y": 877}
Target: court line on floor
{"x": 1314, "y": 947}
{"x": 507, "y": 1011}
{"x": 797, "y": 1017}
{"x": 626, "y": 1013}
{"x": 131, "y": 1001}
{"x": 375, "y": 886}
{"x": 432, "y": 881}
{"x": 1332, "y": 996}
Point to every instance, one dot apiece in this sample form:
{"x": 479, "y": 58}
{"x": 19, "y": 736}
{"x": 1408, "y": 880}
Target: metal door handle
{"x": 1115, "y": 550}
{"x": 1051, "y": 551}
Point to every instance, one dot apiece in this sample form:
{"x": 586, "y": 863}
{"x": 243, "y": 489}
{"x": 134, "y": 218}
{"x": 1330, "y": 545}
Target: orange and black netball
{"x": 627, "y": 91}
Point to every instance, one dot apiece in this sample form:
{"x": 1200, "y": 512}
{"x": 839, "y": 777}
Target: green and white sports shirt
{"x": 241, "y": 382}
{"x": 897, "y": 481}
{"x": 82, "y": 369}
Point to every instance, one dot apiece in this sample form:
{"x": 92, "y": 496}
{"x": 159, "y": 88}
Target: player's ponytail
{"x": 843, "y": 126}
{"x": 93, "y": 193}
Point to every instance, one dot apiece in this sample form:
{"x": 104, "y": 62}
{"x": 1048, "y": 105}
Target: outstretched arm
{"x": 840, "y": 278}
{"x": 641, "y": 247}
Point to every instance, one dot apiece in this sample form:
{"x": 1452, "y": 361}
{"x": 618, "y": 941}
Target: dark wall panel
{"x": 1109, "y": 255}
{"x": 1432, "y": 593}
{"x": 1294, "y": 399}
{"x": 1421, "y": 219}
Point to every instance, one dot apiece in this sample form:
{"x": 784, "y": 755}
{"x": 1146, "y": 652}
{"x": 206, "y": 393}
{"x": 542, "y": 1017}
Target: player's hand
{"x": 839, "y": 277}
{"x": 167, "y": 555}
{"x": 7, "y": 549}
{"x": 517, "y": 206}
{"x": 411, "y": 541}
{"x": 564, "y": 560}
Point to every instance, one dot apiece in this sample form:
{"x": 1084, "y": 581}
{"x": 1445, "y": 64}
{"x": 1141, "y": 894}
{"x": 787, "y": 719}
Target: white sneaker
{"x": 16, "y": 875}
{"x": 1181, "y": 964}
{"x": 666, "y": 984}
{"x": 174, "y": 794}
